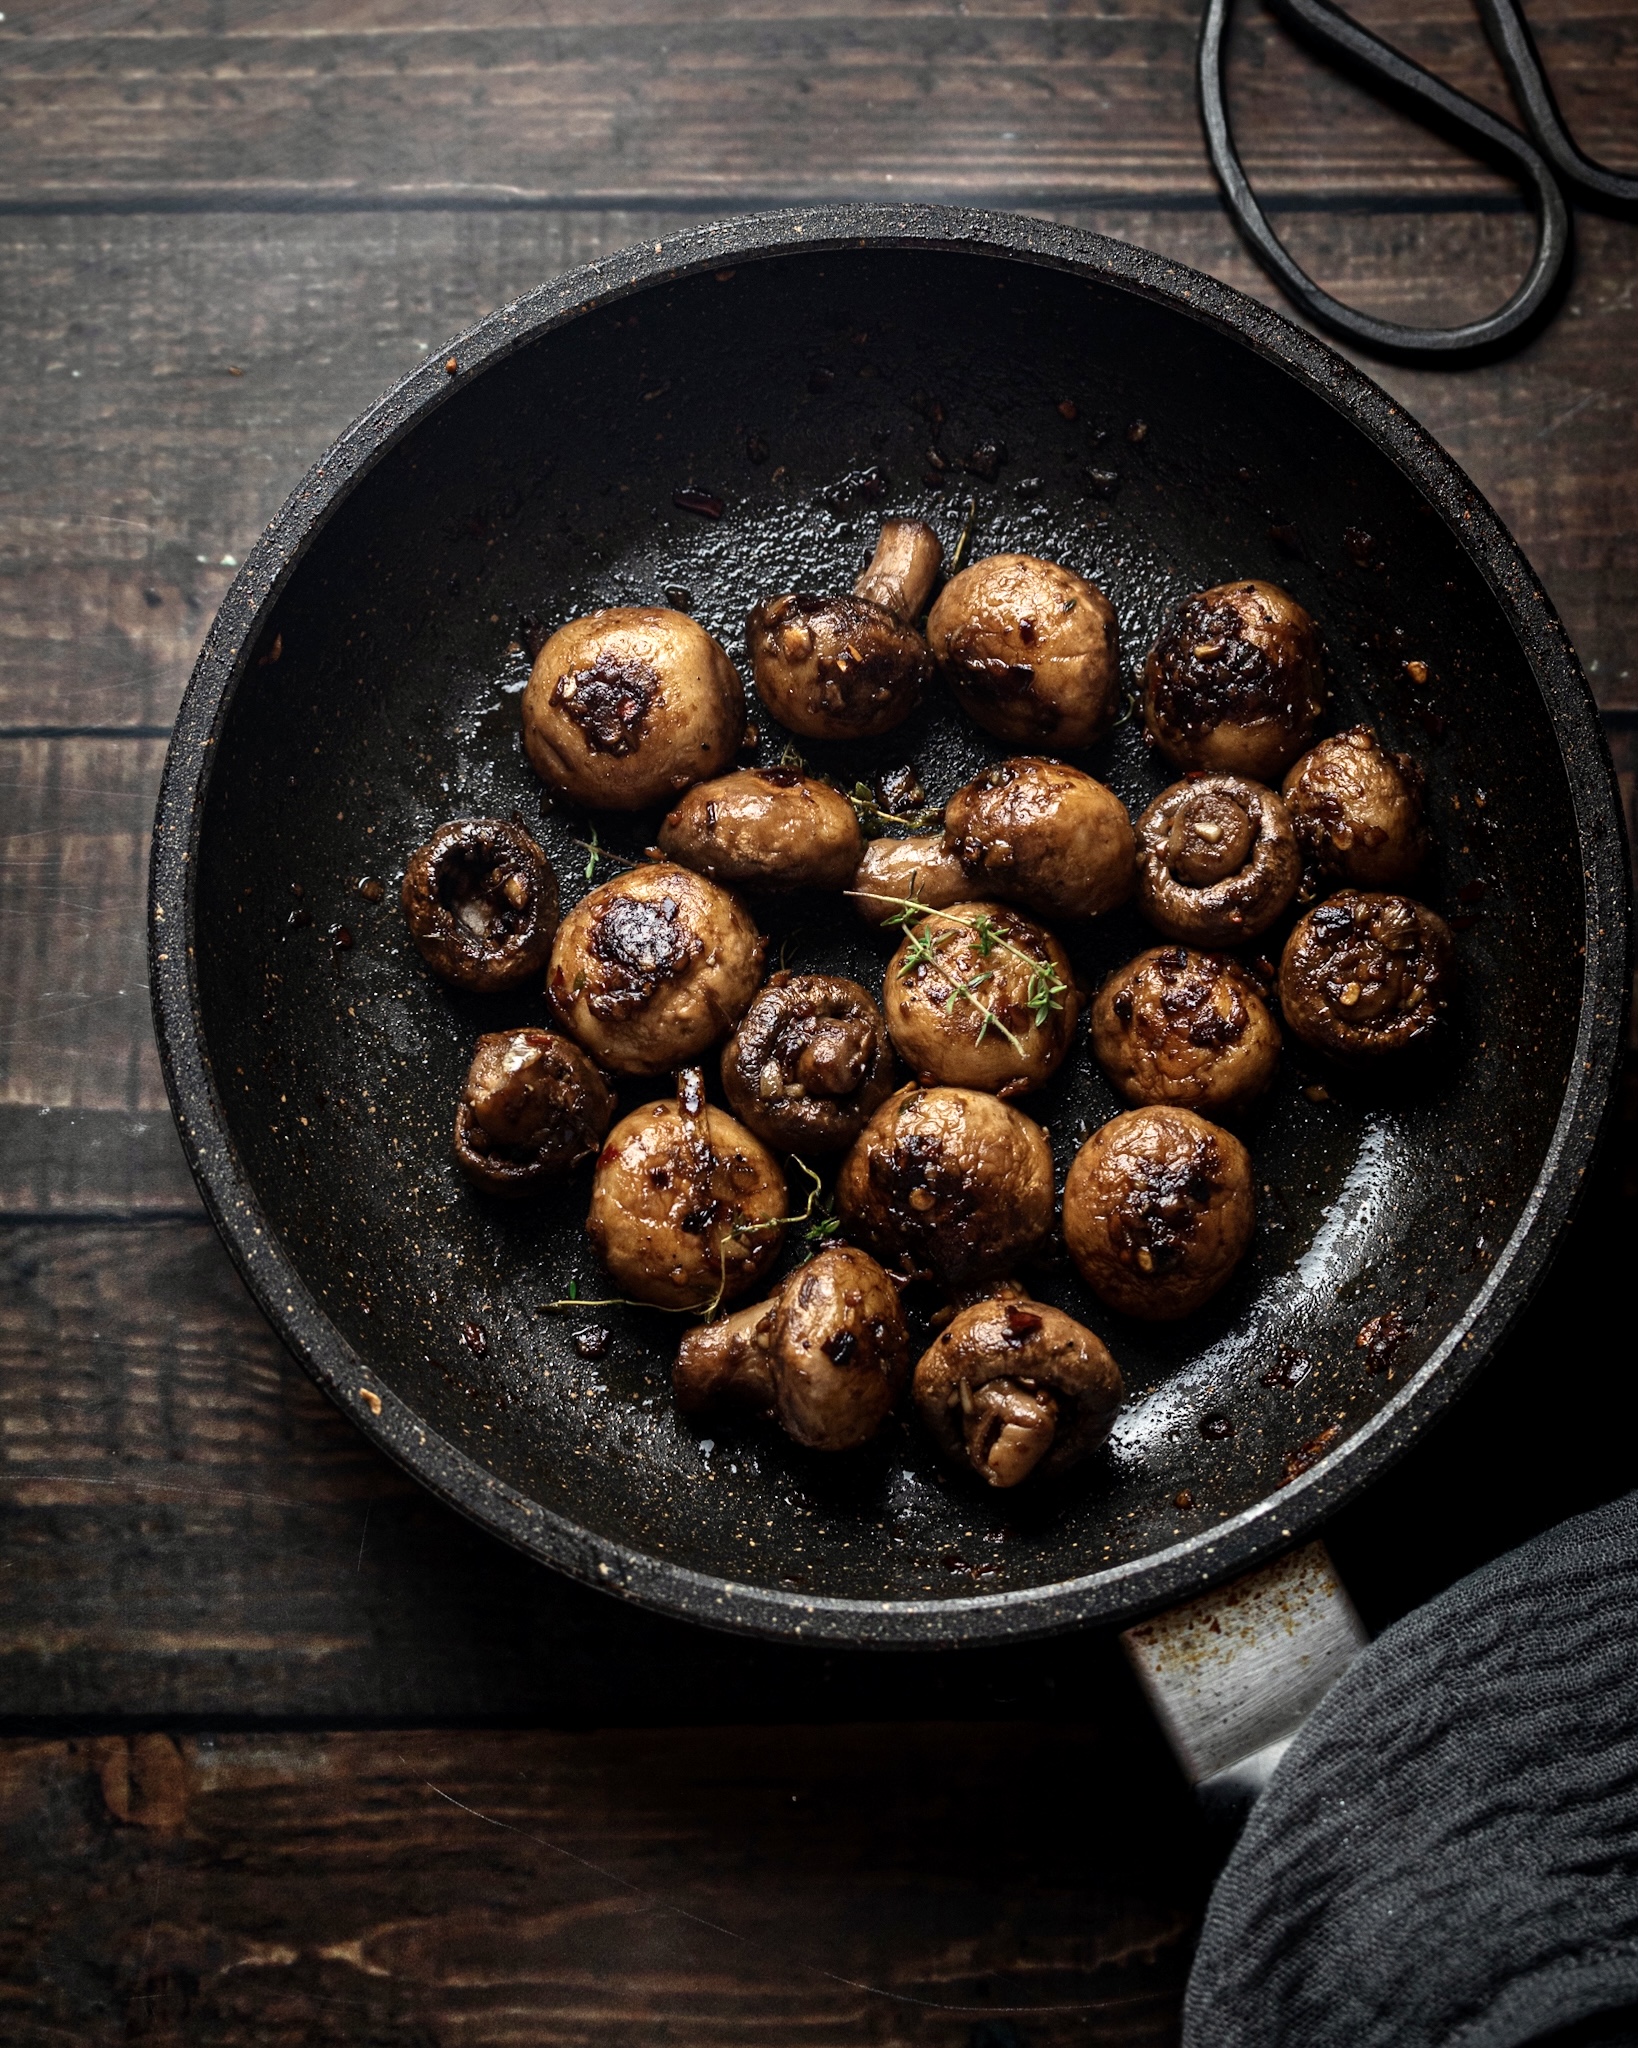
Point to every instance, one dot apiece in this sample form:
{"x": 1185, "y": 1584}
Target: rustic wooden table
{"x": 291, "y": 1754}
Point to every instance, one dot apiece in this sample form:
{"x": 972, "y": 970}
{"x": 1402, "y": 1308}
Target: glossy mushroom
{"x": 980, "y": 996}
{"x": 1186, "y": 1028}
{"x": 652, "y": 968}
{"x": 809, "y": 1064}
{"x": 686, "y": 1205}
{"x": 1158, "y": 1211}
{"x": 1030, "y": 650}
{"x": 1015, "y": 1390}
{"x": 1367, "y": 973}
{"x": 894, "y": 872}
{"x": 480, "y": 899}
{"x": 627, "y": 707}
{"x": 766, "y": 828}
{"x": 1217, "y": 860}
{"x": 1045, "y": 835}
{"x": 848, "y": 668}
{"x": 1357, "y": 810}
{"x": 950, "y": 1182}
{"x": 1236, "y": 681}
{"x": 533, "y": 1107}
{"x": 826, "y": 1357}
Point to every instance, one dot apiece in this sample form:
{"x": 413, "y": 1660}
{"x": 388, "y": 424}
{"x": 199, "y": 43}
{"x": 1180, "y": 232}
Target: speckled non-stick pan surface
{"x": 1092, "y": 404}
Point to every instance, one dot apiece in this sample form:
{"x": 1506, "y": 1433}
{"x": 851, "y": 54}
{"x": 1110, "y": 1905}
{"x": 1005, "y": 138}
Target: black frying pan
{"x": 360, "y": 684}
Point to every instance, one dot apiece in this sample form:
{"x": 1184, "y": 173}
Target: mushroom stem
{"x": 901, "y": 572}
{"x": 1008, "y": 1429}
{"x": 723, "y": 1361}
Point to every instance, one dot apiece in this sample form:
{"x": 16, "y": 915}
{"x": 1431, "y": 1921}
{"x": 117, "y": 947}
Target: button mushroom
{"x": 650, "y": 969}
{"x": 1014, "y": 1390}
{"x": 769, "y": 828}
{"x": 827, "y": 1356}
{"x": 1367, "y": 973}
{"x": 951, "y": 1182}
{"x": 687, "y": 1207}
{"x": 1029, "y": 649}
{"x": 1158, "y": 1211}
{"x": 980, "y": 996}
{"x": 627, "y": 707}
{"x": 533, "y": 1107}
{"x": 1185, "y": 1028}
{"x": 894, "y": 872}
{"x": 848, "y": 668}
{"x": 1236, "y": 681}
{"x": 1358, "y": 810}
{"x": 1045, "y": 835}
{"x": 481, "y": 902}
{"x": 810, "y": 1063}
{"x": 1217, "y": 860}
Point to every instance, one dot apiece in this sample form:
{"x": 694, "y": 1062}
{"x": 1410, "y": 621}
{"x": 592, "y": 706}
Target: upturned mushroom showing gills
{"x": 766, "y": 828}
{"x": 1045, "y": 835}
{"x": 687, "y": 1206}
{"x": 627, "y": 707}
{"x": 1186, "y": 1028}
{"x": 480, "y": 899}
{"x": 1029, "y": 648}
{"x": 652, "y": 968}
{"x": 533, "y": 1107}
{"x": 827, "y": 1356}
{"x": 1217, "y": 860}
{"x": 848, "y": 668}
{"x": 1366, "y": 973}
{"x": 1158, "y": 1211}
{"x": 894, "y": 872}
{"x": 1236, "y": 681}
{"x": 951, "y": 1182}
{"x": 1013, "y": 1389}
{"x": 1357, "y": 810}
{"x": 980, "y": 996}
{"x": 810, "y": 1063}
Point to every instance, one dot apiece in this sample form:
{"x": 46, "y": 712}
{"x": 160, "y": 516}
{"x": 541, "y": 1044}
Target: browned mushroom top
{"x": 1029, "y": 649}
{"x": 626, "y": 707}
{"x": 949, "y": 1181}
{"x": 1188, "y": 1028}
{"x": 1366, "y": 973}
{"x": 533, "y": 1107}
{"x": 893, "y": 872}
{"x": 1014, "y": 1389}
{"x": 1217, "y": 860}
{"x": 827, "y": 1356}
{"x": 481, "y": 902}
{"x": 1358, "y": 810}
{"x": 1158, "y": 1211}
{"x": 1236, "y": 681}
{"x": 810, "y": 1063}
{"x": 767, "y": 828}
{"x": 1043, "y": 834}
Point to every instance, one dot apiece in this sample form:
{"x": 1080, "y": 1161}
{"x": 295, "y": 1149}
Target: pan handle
{"x": 1233, "y": 1675}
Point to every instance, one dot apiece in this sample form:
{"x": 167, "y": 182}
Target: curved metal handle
{"x": 1390, "y": 75}
{"x": 1519, "y": 58}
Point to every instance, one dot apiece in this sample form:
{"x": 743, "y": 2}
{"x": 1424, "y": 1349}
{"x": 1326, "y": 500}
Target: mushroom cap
{"x": 980, "y": 996}
{"x": 627, "y": 707}
{"x": 1030, "y": 650}
{"x": 835, "y": 668}
{"x": 1357, "y": 810}
{"x": 650, "y": 969}
{"x": 1014, "y": 1346}
{"x": 1367, "y": 973}
{"x": 1158, "y": 1211}
{"x": 1045, "y": 835}
{"x": 810, "y": 1063}
{"x": 839, "y": 1348}
{"x": 1185, "y": 1028}
{"x": 1236, "y": 680}
{"x": 893, "y": 872}
{"x": 953, "y": 1181}
{"x": 533, "y": 1107}
{"x": 769, "y": 828}
{"x": 1217, "y": 860}
{"x": 683, "y": 1204}
{"x": 480, "y": 899}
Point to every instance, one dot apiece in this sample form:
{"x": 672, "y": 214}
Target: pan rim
{"x": 1115, "y": 1593}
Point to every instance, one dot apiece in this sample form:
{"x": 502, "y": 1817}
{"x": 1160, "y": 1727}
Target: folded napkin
{"x": 1447, "y": 1856}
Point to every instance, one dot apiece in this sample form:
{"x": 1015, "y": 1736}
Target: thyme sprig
{"x": 868, "y": 809}
{"x": 594, "y": 853}
{"x": 1044, "y": 991}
